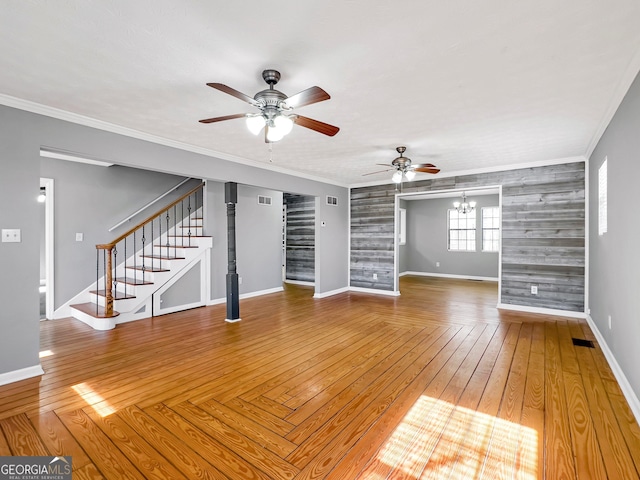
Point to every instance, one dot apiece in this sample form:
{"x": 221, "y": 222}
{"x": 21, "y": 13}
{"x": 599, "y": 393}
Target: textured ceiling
{"x": 466, "y": 85}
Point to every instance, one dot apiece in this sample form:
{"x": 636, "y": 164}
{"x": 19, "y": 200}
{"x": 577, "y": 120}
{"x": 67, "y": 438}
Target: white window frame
{"x": 602, "y": 197}
{"x": 466, "y": 240}
{"x": 492, "y": 228}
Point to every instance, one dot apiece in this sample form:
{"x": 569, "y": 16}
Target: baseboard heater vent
{"x": 579, "y": 342}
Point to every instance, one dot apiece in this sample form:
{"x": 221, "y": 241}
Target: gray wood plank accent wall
{"x": 300, "y": 237}
{"x": 543, "y": 233}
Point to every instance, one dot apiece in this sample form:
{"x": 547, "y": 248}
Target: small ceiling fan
{"x": 276, "y": 109}
{"x": 404, "y": 169}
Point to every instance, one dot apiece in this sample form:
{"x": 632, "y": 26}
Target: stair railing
{"x": 176, "y": 220}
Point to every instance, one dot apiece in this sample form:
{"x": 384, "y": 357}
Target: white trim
{"x": 129, "y": 132}
{"x": 587, "y": 193}
{"x": 475, "y": 171}
{"x": 331, "y": 292}
{"x": 21, "y": 374}
{"x": 158, "y": 309}
{"x": 218, "y": 301}
{"x": 543, "y": 311}
{"x": 448, "y": 275}
{"x": 300, "y": 282}
{"x": 49, "y": 246}
{"x": 616, "y": 99}
{"x": 375, "y": 291}
{"x": 72, "y": 157}
{"x": 625, "y": 386}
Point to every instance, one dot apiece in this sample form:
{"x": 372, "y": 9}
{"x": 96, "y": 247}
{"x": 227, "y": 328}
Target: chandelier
{"x": 464, "y": 207}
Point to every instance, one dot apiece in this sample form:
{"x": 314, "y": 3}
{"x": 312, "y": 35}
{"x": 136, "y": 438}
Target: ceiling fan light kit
{"x": 276, "y": 117}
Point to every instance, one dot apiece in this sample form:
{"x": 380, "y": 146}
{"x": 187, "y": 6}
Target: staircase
{"x": 132, "y": 289}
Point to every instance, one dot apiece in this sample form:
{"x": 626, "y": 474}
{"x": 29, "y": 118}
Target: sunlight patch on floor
{"x": 93, "y": 399}
{"x": 437, "y": 439}
{"x": 45, "y": 353}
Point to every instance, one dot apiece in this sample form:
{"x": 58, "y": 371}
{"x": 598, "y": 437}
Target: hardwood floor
{"x": 436, "y": 383}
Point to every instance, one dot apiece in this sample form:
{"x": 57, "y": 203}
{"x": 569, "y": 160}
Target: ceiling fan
{"x": 404, "y": 169}
{"x": 276, "y": 109}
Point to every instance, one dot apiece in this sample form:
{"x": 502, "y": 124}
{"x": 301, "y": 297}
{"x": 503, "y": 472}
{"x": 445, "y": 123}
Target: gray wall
{"x": 21, "y": 136}
{"x": 258, "y": 239}
{"x": 542, "y": 228}
{"x": 614, "y": 258}
{"x": 90, "y": 199}
{"x": 427, "y": 240}
{"x": 19, "y": 262}
{"x": 300, "y": 237}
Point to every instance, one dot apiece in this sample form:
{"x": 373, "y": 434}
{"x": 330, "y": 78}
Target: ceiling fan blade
{"x": 427, "y": 170}
{"x": 220, "y": 119}
{"x": 380, "y": 171}
{"x": 316, "y": 125}
{"x": 234, "y": 92}
{"x": 422, "y": 165}
{"x": 307, "y": 97}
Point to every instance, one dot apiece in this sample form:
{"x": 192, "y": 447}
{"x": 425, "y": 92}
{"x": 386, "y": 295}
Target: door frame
{"x": 49, "y": 244}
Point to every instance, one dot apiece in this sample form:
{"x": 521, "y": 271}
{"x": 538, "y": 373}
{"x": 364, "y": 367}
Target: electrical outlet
{"x": 375, "y": 276}
{"x": 239, "y": 280}
{"x": 534, "y": 289}
{"x": 609, "y": 322}
{"x": 11, "y": 235}
{"x": 437, "y": 264}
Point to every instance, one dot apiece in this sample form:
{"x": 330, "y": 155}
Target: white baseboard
{"x": 300, "y": 282}
{"x": 21, "y": 374}
{"x": 544, "y": 311}
{"x": 375, "y": 291}
{"x": 218, "y": 301}
{"x": 330, "y": 293}
{"x": 625, "y": 386}
{"x": 447, "y": 275}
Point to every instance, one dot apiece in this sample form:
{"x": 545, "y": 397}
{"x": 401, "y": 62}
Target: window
{"x": 602, "y": 198}
{"x": 462, "y": 231}
{"x": 402, "y": 227}
{"x": 490, "y": 229}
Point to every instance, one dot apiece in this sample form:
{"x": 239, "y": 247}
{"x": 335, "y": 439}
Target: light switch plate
{"x": 11, "y": 235}
{"x": 79, "y": 237}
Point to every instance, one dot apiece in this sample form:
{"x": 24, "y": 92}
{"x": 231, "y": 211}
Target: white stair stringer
{"x": 139, "y": 301}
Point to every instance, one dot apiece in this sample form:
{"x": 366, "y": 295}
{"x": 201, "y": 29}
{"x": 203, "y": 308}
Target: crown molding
{"x": 617, "y": 97}
{"x": 59, "y": 114}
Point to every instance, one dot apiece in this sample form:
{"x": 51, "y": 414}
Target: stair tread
{"x": 149, "y": 269}
{"x": 163, "y": 257}
{"x": 94, "y": 310}
{"x": 133, "y": 281}
{"x": 176, "y": 246}
{"x": 116, "y": 295}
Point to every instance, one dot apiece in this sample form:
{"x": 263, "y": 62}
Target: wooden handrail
{"x": 109, "y": 246}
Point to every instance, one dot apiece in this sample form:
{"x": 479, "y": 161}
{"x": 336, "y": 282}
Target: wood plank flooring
{"x": 436, "y": 383}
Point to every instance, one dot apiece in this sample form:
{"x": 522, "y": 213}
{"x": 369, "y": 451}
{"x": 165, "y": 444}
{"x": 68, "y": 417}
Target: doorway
{"x": 435, "y": 240}
{"x": 299, "y": 216}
